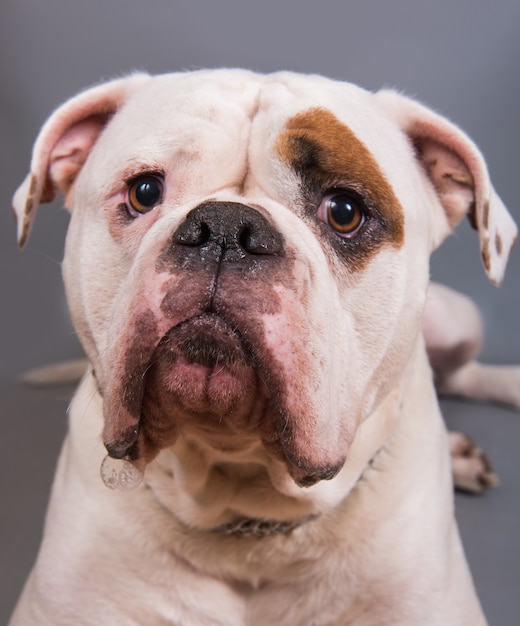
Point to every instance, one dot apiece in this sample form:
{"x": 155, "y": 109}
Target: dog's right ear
{"x": 63, "y": 145}
{"x": 459, "y": 177}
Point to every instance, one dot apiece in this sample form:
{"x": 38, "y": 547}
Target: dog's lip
{"x": 123, "y": 401}
{"x": 203, "y": 363}
{"x": 206, "y": 339}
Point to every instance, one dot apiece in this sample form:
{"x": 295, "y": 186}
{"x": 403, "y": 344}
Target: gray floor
{"x": 462, "y": 58}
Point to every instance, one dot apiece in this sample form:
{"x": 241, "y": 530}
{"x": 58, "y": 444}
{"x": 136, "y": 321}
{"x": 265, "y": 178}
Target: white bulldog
{"x": 247, "y": 269}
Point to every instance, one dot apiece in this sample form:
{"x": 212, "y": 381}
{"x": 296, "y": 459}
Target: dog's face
{"x": 247, "y": 258}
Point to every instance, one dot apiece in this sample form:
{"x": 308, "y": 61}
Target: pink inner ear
{"x": 70, "y": 153}
{"x": 450, "y": 177}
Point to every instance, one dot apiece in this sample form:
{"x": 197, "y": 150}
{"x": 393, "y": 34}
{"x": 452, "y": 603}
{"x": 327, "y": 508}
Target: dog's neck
{"x": 243, "y": 494}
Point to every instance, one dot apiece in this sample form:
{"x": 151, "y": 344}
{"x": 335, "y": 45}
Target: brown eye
{"x": 343, "y": 212}
{"x": 145, "y": 193}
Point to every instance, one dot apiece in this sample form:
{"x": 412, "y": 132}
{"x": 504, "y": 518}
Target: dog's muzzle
{"x": 216, "y": 332}
{"x": 193, "y": 357}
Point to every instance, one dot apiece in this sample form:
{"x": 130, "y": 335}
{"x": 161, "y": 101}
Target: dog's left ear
{"x": 459, "y": 175}
{"x": 64, "y": 143}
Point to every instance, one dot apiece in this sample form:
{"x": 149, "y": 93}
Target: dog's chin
{"x": 202, "y": 380}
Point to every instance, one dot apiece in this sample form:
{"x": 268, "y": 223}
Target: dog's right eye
{"x": 144, "y": 194}
{"x": 343, "y": 212}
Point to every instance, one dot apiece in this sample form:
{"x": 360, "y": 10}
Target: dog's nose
{"x": 227, "y": 231}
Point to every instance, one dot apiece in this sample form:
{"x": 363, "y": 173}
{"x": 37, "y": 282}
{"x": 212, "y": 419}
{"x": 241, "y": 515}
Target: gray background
{"x": 460, "y": 57}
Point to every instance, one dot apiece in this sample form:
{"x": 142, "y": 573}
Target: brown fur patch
{"x": 498, "y": 244}
{"x": 486, "y": 257}
{"x": 326, "y": 154}
{"x": 485, "y": 215}
{"x": 31, "y": 203}
{"x": 25, "y": 233}
{"x": 472, "y": 215}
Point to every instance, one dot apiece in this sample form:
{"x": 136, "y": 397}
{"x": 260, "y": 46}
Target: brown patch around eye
{"x": 324, "y": 152}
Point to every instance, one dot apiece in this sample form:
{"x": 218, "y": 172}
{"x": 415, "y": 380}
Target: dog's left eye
{"x": 343, "y": 212}
{"x": 144, "y": 194}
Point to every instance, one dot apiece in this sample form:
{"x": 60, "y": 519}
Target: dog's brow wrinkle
{"x": 241, "y": 186}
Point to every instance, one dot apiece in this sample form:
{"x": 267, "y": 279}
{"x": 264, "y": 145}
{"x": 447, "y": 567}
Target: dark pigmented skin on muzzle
{"x": 122, "y": 416}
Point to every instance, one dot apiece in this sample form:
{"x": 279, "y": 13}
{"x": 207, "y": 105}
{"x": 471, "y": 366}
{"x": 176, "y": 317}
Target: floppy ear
{"x": 459, "y": 175}
{"x": 63, "y": 145}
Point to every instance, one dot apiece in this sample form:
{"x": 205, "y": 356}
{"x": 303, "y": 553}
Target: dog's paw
{"x": 472, "y": 471}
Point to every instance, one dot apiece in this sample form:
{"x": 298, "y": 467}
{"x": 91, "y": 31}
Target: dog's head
{"x": 247, "y": 257}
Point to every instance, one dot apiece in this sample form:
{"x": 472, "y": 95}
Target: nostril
{"x": 205, "y": 234}
{"x": 195, "y": 234}
{"x": 244, "y": 238}
{"x": 259, "y": 239}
